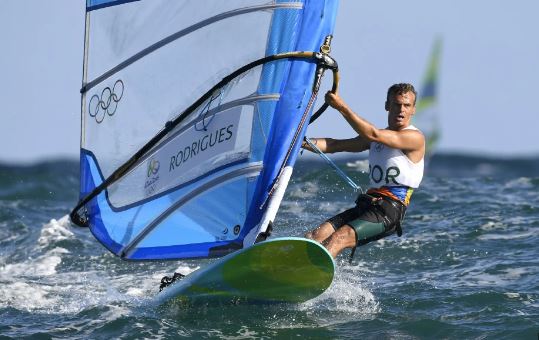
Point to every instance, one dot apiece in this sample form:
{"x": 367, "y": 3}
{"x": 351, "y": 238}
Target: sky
{"x": 489, "y": 66}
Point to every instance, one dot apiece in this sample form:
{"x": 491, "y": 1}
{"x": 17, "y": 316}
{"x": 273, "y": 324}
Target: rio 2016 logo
{"x": 152, "y": 177}
{"x": 153, "y": 167}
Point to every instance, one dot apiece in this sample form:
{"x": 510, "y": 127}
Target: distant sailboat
{"x": 426, "y": 117}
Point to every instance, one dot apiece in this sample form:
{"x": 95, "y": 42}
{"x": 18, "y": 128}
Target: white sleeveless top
{"x": 391, "y": 167}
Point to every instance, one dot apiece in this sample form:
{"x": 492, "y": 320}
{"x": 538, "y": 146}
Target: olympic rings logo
{"x": 107, "y": 102}
{"x": 153, "y": 167}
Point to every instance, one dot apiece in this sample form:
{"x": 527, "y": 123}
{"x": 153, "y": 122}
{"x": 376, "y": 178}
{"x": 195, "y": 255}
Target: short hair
{"x": 400, "y": 89}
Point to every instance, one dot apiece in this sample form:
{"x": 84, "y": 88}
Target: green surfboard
{"x": 279, "y": 270}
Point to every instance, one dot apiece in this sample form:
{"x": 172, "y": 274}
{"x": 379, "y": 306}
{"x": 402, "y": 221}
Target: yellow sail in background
{"x": 427, "y": 109}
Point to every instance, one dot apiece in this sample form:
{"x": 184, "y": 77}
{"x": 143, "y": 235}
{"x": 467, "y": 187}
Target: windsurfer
{"x": 396, "y": 162}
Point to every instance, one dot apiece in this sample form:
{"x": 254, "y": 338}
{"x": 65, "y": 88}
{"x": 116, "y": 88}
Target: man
{"x": 395, "y": 168}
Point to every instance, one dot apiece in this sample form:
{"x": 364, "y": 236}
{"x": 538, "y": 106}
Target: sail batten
{"x": 251, "y": 171}
{"x": 182, "y": 33}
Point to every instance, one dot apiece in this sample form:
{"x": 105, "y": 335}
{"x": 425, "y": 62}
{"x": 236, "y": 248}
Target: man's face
{"x": 400, "y": 110}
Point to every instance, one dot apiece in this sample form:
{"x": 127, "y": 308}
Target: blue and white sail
{"x": 426, "y": 116}
{"x": 185, "y": 151}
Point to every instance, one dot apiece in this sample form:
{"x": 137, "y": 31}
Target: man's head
{"x": 400, "y": 105}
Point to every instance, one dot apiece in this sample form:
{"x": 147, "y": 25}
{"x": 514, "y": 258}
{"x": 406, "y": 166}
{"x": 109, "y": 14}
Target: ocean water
{"x": 467, "y": 266}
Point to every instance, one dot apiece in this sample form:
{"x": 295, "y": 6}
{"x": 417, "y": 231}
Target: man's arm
{"x": 409, "y": 140}
{"x": 330, "y": 145}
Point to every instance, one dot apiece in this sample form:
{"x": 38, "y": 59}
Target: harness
{"x": 365, "y": 201}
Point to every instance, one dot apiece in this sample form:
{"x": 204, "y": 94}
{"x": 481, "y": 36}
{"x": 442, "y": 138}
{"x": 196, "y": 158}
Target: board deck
{"x": 278, "y": 270}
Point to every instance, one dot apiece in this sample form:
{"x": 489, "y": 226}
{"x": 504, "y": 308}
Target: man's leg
{"x": 344, "y": 237}
{"x": 321, "y": 233}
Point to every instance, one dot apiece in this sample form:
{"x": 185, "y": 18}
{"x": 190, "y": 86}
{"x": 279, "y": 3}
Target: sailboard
{"x": 280, "y": 270}
{"x": 192, "y": 116}
{"x": 426, "y": 116}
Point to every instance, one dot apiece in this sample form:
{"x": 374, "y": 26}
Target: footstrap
{"x": 168, "y": 280}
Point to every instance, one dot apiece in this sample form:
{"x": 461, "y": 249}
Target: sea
{"x": 466, "y": 267}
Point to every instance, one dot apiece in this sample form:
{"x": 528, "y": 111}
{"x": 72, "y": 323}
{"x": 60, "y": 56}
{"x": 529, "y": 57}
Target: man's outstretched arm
{"x": 330, "y": 145}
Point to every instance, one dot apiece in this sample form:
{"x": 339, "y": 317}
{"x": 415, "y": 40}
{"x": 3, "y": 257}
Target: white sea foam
{"x": 515, "y": 273}
{"x": 519, "y": 183}
{"x": 527, "y": 299}
{"x": 293, "y": 208}
{"x": 434, "y": 198}
{"x": 44, "y": 265}
{"x": 35, "y": 284}
{"x": 415, "y": 243}
{"x": 136, "y": 292}
{"x": 480, "y": 275}
{"x": 25, "y": 296}
{"x": 511, "y": 236}
{"x": 484, "y": 279}
{"x": 512, "y": 295}
{"x": 348, "y": 297}
{"x": 81, "y": 291}
{"x": 361, "y": 165}
{"x": 491, "y": 225}
{"x": 428, "y": 217}
{"x": 305, "y": 190}
{"x": 32, "y": 283}
{"x": 186, "y": 270}
{"x": 54, "y": 231}
{"x": 142, "y": 287}
{"x": 332, "y": 208}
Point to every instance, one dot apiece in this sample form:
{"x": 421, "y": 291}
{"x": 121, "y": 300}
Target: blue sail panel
{"x": 317, "y": 23}
{"x": 92, "y": 5}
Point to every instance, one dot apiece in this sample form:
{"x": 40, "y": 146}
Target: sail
{"x": 192, "y": 120}
{"x": 426, "y": 116}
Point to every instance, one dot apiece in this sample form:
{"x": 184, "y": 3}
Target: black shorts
{"x": 371, "y": 221}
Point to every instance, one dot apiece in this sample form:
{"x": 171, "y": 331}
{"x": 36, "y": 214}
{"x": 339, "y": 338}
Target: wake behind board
{"x": 278, "y": 270}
